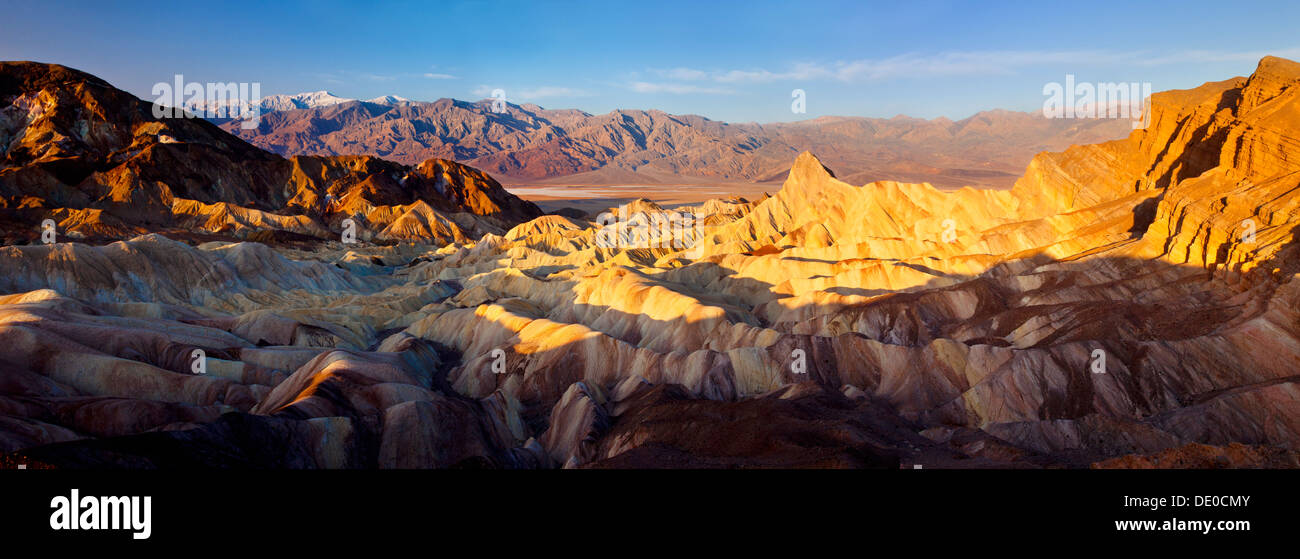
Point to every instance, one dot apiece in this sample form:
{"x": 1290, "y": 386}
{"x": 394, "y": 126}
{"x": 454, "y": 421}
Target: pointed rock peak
{"x": 1279, "y": 68}
{"x": 420, "y": 206}
{"x": 1272, "y": 77}
{"x": 643, "y": 205}
{"x": 808, "y": 166}
{"x": 640, "y": 205}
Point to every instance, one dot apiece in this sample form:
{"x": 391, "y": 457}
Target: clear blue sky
{"x": 732, "y": 61}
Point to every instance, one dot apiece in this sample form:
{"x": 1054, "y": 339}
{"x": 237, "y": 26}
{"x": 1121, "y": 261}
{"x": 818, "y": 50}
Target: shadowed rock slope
{"x": 92, "y": 158}
{"x": 1126, "y": 304}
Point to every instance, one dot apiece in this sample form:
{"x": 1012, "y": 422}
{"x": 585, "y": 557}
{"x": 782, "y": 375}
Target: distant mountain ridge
{"x": 530, "y": 144}
{"x": 305, "y": 100}
{"x": 389, "y": 100}
{"x": 95, "y": 160}
{"x": 302, "y": 101}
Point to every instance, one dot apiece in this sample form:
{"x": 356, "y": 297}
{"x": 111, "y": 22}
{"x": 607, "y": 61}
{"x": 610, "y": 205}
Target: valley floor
{"x": 596, "y": 199}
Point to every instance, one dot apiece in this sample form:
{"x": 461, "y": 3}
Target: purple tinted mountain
{"x": 529, "y": 144}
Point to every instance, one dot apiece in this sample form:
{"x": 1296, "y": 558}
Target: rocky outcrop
{"x": 97, "y": 162}
{"x": 1104, "y": 306}
{"x": 1127, "y": 304}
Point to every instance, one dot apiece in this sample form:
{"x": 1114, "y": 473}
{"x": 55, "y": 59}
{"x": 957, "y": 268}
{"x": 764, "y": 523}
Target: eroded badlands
{"x": 829, "y": 325}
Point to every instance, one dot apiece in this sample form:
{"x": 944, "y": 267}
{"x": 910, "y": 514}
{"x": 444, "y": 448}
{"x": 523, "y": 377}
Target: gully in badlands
{"x": 190, "y": 301}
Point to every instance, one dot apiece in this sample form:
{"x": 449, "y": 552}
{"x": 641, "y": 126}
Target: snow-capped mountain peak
{"x": 305, "y": 100}
{"x": 389, "y": 100}
{"x": 308, "y": 100}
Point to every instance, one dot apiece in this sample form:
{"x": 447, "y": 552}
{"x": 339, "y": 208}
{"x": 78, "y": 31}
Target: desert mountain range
{"x": 529, "y": 144}
{"x": 94, "y": 159}
{"x": 1129, "y": 303}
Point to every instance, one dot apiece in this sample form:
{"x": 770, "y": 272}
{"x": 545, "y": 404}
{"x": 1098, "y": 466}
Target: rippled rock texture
{"x": 1126, "y": 304}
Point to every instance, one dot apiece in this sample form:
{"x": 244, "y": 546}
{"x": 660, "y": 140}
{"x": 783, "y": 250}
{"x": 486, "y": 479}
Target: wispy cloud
{"x": 682, "y": 74}
{"x": 955, "y": 63}
{"x": 1194, "y": 56}
{"x": 538, "y": 92}
{"x": 676, "y": 88}
{"x": 350, "y": 76}
{"x": 551, "y": 91}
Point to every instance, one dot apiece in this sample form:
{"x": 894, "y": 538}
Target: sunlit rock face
{"x": 1126, "y": 304}
{"x": 95, "y": 161}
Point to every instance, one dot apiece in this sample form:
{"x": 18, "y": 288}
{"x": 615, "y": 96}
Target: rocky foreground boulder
{"x": 1126, "y": 304}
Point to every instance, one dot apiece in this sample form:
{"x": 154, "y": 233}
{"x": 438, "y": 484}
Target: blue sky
{"x": 732, "y": 61}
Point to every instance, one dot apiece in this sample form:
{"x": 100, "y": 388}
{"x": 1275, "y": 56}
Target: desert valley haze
{"x": 593, "y": 239}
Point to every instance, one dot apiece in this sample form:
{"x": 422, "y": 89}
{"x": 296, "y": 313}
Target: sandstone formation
{"x": 95, "y": 161}
{"x": 1126, "y": 304}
